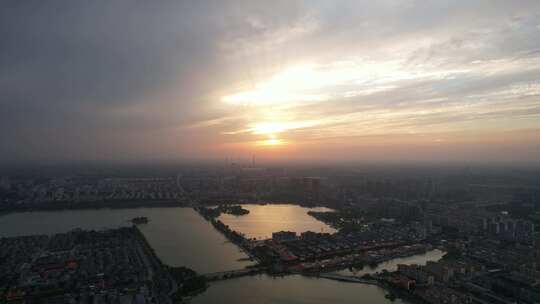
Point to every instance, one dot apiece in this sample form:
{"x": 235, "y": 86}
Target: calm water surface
{"x": 419, "y": 259}
{"x": 262, "y": 220}
{"x": 293, "y": 289}
{"x": 179, "y": 236}
{"x": 182, "y": 238}
{"x": 305, "y": 290}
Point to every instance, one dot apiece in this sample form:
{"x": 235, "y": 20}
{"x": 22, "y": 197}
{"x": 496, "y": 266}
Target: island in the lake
{"x": 223, "y": 209}
{"x": 140, "y": 220}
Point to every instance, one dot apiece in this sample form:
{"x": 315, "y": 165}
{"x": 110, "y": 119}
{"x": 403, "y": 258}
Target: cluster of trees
{"x": 188, "y": 281}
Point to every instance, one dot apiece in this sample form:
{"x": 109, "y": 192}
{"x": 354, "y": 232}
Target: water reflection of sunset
{"x": 265, "y": 219}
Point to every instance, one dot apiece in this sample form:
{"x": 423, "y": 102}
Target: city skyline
{"x": 287, "y": 81}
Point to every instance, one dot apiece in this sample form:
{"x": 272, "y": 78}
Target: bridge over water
{"x": 230, "y": 274}
{"x": 347, "y": 278}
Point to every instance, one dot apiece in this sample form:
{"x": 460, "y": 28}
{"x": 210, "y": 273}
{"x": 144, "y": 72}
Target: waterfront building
{"x": 417, "y": 273}
{"x": 284, "y": 236}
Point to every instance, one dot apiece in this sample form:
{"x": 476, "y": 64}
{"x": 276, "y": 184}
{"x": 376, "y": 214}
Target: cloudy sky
{"x": 287, "y": 80}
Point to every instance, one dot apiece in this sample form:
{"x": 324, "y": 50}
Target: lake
{"x": 294, "y": 289}
{"x": 262, "y": 220}
{"x": 181, "y": 237}
{"x": 419, "y": 259}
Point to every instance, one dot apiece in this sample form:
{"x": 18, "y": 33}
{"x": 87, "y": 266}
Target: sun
{"x": 272, "y": 141}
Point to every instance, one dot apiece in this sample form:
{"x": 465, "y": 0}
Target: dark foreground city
{"x": 490, "y": 249}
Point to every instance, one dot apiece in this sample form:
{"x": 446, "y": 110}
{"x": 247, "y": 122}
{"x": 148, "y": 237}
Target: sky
{"x": 283, "y": 80}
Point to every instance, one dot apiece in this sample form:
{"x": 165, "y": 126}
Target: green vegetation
{"x": 216, "y": 212}
{"x": 188, "y": 281}
{"x": 452, "y": 253}
{"x": 344, "y": 219}
{"x": 234, "y": 210}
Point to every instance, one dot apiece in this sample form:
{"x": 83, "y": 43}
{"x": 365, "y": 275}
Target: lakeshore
{"x": 179, "y": 236}
{"x": 168, "y": 236}
{"x": 329, "y": 263}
